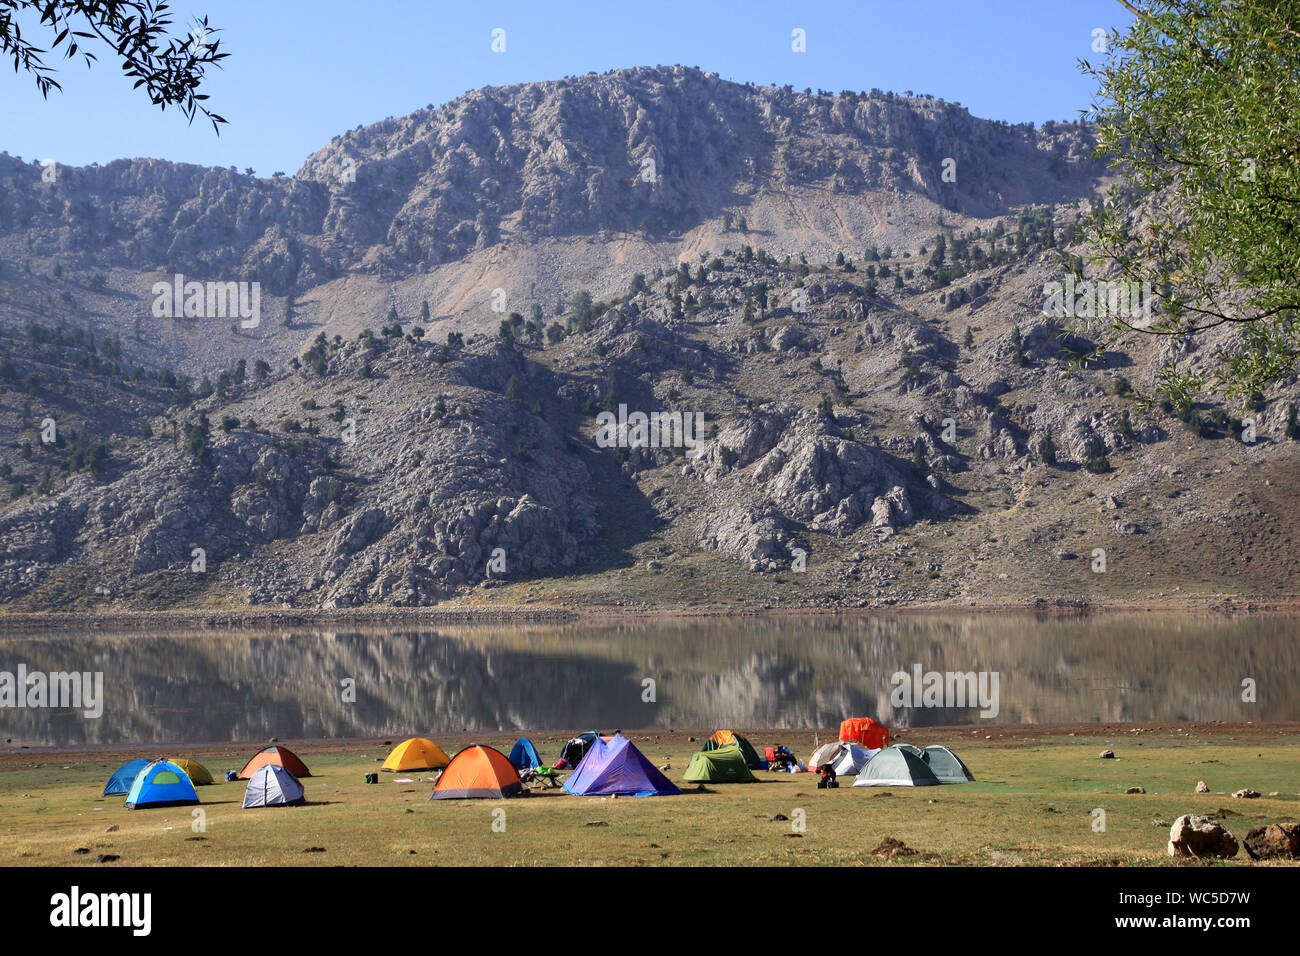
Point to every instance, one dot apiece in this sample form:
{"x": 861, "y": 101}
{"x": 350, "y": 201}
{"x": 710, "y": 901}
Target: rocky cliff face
{"x": 876, "y": 425}
{"x": 535, "y": 190}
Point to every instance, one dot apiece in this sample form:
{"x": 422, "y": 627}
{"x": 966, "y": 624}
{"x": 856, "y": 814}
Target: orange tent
{"x": 281, "y": 757}
{"x": 865, "y": 731}
{"x": 477, "y": 772}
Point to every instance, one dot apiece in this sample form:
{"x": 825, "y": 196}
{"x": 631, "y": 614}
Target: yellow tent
{"x": 198, "y": 774}
{"x": 418, "y": 753}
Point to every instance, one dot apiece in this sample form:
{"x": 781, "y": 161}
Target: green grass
{"x": 1032, "y": 804}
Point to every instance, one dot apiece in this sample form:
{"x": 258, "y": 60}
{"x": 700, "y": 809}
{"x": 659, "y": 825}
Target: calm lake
{"x": 743, "y": 673}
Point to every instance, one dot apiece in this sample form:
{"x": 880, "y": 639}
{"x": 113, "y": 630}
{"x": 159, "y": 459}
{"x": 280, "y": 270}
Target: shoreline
{"x": 474, "y": 614}
{"x": 998, "y": 735}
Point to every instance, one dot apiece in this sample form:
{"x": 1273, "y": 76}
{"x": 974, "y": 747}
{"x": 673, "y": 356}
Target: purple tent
{"x": 619, "y": 768}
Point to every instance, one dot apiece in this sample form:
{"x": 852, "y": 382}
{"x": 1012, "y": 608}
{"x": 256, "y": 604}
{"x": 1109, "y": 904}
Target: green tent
{"x": 946, "y": 765}
{"x": 724, "y": 765}
{"x": 729, "y": 738}
{"x": 895, "y": 767}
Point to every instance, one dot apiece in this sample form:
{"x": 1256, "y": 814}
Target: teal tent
{"x": 123, "y": 777}
{"x": 161, "y": 784}
{"x": 895, "y": 767}
{"x": 946, "y": 765}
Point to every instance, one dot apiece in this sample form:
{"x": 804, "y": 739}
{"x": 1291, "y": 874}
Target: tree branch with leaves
{"x": 1199, "y": 110}
{"x": 171, "y": 69}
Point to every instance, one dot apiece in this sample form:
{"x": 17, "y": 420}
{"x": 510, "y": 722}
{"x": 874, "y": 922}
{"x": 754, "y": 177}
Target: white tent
{"x": 845, "y": 757}
{"x": 272, "y": 786}
{"x": 851, "y": 759}
{"x": 823, "y": 754}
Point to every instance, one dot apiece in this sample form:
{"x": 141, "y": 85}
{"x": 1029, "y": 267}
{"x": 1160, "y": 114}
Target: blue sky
{"x": 301, "y": 71}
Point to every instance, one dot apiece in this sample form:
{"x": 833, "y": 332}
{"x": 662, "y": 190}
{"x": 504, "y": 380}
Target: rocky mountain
{"x": 687, "y": 342}
{"x": 535, "y": 190}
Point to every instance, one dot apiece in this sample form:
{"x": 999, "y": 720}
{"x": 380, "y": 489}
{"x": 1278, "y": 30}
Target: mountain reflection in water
{"x": 710, "y": 672}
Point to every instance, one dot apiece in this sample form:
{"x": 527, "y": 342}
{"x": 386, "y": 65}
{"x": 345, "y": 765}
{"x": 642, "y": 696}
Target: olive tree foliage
{"x": 170, "y": 68}
{"x": 1199, "y": 111}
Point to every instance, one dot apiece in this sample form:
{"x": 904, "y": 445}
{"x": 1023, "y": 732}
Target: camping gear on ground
{"x": 827, "y": 781}
{"x": 123, "y": 777}
{"x": 281, "y": 756}
{"x": 895, "y": 767}
{"x": 273, "y": 786}
{"x": 617, "y": 767}
{"x": 372, "y": 778}
{"x": 161, "y": 784}
{"x": 780, "y": 758}
{"x": 231, "y": 775}
{"x": 577, "y": 748}
{"x": 724, "y": 765}
{"x": 418, "y": 753}
{"x": 946, "y": 765}
{"x": 541, "y": 776}
{"x": 523, "y": 755}
{"x": 729, "y": 738}
{"x": 478, "y": 772}
{"x": 865, "y": 731}
{"x": 198, "y": 774}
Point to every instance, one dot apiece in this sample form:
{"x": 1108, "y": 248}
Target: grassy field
{"x": 1033, "y": 803}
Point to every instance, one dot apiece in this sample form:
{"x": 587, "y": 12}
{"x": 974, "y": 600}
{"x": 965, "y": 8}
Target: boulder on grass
{"x": 1200, "y": 837}
{"x": 1275, "y": 841}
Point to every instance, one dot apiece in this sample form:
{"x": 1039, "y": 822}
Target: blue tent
{"x": 161, "y": 784}
{"x": 619, "y": 768}
{"x": 523, "y": 755}
{"x": 123, "y": 777}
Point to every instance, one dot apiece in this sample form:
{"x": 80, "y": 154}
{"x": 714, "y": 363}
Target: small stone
{"x": 1135, "y": 790}
{"x": 1107, "y": 755}
{"x": 1202, "y": 787}
{"x": 1246, "y": 794}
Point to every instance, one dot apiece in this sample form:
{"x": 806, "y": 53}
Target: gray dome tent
{"x": 273, "y": 786}
{"x": 946, "y": 765}
{"x": 893, "y": 767}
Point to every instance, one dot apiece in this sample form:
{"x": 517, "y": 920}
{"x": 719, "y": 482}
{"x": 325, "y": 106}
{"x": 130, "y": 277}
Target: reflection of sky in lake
{"x": 743, "y": 672}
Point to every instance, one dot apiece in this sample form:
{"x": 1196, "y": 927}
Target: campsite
{"x": 1033, "y": 801}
